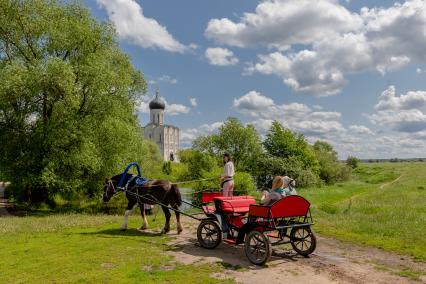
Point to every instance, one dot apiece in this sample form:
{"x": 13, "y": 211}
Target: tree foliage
{"x": 284, "y": 143}
{"x": 67, "y": 97}
{"x": 242, "y": 142}
{"x": 268, "y": 166}
{"x": 331, "y": 170}
{"x": 352, "y": 162}
{"x": 199, "y": 164}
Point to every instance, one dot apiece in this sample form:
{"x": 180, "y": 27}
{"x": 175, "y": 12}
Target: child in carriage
{"x": 281, "y": 187}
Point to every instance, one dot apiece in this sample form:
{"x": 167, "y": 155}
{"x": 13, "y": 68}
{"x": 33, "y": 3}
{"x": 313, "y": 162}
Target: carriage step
{"x": 230, "y": 241}
{"x": 273, "y": 235}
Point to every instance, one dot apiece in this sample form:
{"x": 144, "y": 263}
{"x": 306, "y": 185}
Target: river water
{"x": 186, "y": 196}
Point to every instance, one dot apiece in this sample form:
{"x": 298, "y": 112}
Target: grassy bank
{"x": 80, "y": 248}
{"x": 384, "y": 206}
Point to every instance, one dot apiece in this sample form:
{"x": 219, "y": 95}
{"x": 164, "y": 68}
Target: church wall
{"x": 165, "y": 136}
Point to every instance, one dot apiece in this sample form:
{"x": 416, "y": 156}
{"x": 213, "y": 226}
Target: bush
{"x": 167, "y": 168}
{"x": 352, "y": 162}
{"x": 331, "y": 170}
{"x": 267, "y": 167}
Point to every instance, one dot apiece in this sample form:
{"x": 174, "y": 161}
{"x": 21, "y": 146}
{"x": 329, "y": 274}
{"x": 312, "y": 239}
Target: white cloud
{"x": 319, "y": 42}
{"x": 168, "y": 79}
{"x": 262, "y": 125}
{"x": 193, "y": 102}
{"x": 132, "y": 25}
{"x": 325, "y": 115}
{"x": 142, "y": 104}
{"x": 403, "y": 113}
{"x": 281, "y": 23}
{"x": 361, "y": 129}
{"x": 165, "y": 79}
{"x": 253, "y": 101}
{"x": 189, "y": 135}
{"x": 296, "y": 116}
{"x": 389, "y": 101}
{"x": 304, "y": 71}
{"x": 176, "y": 109}
{"x": 412, "y": 120}
{"x": 220, "y": 56}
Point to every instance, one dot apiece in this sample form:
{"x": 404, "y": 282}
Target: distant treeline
{"x": 393, "y": 160}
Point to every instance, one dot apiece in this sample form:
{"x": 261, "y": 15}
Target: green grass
{"x": 391, "y": 217}
{"x": 55, "y": 247}
{"x": 79, "y": 248}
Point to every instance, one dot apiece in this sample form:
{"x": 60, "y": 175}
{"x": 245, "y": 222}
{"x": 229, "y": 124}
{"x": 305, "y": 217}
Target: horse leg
{"x": 143, "y": 214}
{"x": 166, "y": 228}
{"x": 129, "y": 208}
{"x": 179, "y": 226}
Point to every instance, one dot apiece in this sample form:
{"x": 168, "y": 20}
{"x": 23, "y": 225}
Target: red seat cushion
{"x": 235, "y": 204}
{"x": 207, "y": 197}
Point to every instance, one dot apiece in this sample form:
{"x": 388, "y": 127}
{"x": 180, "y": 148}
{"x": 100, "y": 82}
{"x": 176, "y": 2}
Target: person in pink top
{"x": 227, "y": 176}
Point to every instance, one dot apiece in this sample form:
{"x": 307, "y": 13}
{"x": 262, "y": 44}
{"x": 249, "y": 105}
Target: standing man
{"x": 227, "y": 176}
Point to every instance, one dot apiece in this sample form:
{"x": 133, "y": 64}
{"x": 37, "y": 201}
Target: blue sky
{"x": 348, "y": 72}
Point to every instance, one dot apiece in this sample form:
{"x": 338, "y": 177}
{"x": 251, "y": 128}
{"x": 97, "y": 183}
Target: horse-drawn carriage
{"x": 286, "y": 221}
{"x": 234, "y": 220}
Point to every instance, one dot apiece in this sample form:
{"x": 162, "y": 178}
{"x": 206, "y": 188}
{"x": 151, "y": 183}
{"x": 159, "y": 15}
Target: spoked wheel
{"x": 303, "y": 240}
{"x": 209, "y": 234}
{"x": 257, "y": 247}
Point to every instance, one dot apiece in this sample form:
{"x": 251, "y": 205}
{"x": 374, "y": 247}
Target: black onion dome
{"x": 157, "y": 103}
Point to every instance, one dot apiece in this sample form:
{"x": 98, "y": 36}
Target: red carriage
{"x": 257, "y": 227}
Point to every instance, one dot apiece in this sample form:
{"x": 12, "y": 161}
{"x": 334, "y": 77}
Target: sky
{"x": 352, "y": 73}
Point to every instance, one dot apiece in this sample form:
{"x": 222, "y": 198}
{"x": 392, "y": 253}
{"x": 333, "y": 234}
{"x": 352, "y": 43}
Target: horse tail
{"x": 176, "y": 192}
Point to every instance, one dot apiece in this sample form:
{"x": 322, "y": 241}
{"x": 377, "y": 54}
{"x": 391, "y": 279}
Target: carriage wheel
{"x": 303, "y": 240}
{"x": 209, "y": 234}
{"x": 257, "y": 247}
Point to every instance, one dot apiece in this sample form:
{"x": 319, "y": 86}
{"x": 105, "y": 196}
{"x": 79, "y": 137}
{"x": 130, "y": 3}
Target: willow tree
{"x": 67, "y": 96}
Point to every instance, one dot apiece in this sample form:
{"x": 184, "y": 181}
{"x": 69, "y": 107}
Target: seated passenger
{"x": 281, "y": 187}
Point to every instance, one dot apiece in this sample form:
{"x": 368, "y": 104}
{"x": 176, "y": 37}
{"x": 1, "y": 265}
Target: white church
{"x": 165, "y": 136}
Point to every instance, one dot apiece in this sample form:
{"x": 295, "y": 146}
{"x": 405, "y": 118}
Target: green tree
{"x": 167, "y": 168}
{"x": 268, "y": 166}
{"x": 330, "y": 170}
{"x": 199, "y": 164}
{"x": 67, "y": 97}
{"x": 284, "y": 143}
{"x": 242, "y": 142}
{"x": 352, "y": 162}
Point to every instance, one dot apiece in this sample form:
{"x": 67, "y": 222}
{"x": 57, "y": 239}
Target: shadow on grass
{"x": 128, "y": 232}
{"x": 231, "y": 257}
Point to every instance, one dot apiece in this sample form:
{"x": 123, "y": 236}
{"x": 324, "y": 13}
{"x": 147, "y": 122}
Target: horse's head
{"x": 109, "y": 189}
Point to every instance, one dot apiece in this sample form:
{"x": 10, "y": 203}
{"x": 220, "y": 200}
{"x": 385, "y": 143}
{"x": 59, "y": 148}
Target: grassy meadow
{"x": 384, "y": 205}
{"x": 78, "y": 248}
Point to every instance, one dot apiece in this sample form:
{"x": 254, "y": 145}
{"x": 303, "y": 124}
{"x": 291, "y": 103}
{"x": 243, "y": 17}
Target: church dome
{"x": 157, "y": 103}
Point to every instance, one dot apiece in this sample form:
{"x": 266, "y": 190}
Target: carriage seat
{"x": 290, "y": 206}
{"x": 234, "y": 204}
{"x": 207, "y": 199}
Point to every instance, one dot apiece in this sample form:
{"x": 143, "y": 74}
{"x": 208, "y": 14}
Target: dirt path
{"x": 332, "y": 262}
{"x": 4, "y": 203}
{"x": 391, "y": 182}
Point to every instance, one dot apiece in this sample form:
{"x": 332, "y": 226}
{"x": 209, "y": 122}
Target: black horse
{"x": 152, "y": 192}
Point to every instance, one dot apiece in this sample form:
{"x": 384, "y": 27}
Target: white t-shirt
{"x": 228, "y": 170}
